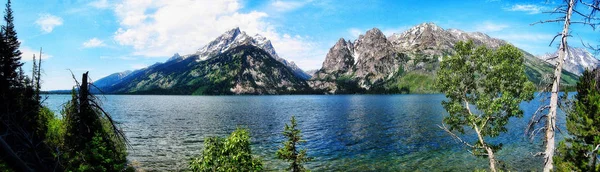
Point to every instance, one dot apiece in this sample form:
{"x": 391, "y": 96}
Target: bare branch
{"x": 443, "y": 127}
{"x": 538, "y": 154}
{"x": 548, "y": 21}
{"x": 594, "y": 7}
{"x": 557, "y": 35}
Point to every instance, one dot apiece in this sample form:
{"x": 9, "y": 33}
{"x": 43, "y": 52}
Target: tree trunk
{"x": 551, "y": 118}
{"x": 489, "y": 150}
{"x": 595, "y": 157}
{"x": 491, "y": 158}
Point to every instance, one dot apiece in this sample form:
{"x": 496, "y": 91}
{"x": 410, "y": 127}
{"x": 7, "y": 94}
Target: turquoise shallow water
{"x": 343, "y": 132}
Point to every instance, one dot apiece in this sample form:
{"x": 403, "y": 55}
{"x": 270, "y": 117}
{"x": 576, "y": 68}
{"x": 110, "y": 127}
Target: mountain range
{"x": 233, "y": 63}
{"x": 236, "y": 63}
{"x": 577, "y": 60}
{"x": 405, "y": 62}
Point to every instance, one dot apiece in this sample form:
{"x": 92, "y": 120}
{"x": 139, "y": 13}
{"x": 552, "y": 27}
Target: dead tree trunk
{"x": 551, "y": 118}
{"x": 39, "y": 77}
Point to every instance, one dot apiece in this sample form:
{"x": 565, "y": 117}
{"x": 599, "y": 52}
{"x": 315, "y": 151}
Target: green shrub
{"x": 227, "y": 154}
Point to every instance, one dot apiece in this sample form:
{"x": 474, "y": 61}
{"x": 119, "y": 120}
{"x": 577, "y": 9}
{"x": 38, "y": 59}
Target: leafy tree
{"x": 580, "y": 152}
{"x": 484, "y": 89}
{"x": 227, "y": 154}
{"x": 289, "y": 151}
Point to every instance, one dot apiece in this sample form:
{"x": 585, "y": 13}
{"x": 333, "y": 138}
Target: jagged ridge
{"x": 378, "y": 64}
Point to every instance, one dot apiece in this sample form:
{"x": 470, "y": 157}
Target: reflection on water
{"x": 346, "y": 132}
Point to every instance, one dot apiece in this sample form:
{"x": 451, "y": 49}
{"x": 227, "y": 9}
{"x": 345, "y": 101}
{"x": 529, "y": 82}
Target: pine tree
{"x": 9, "y": 50}
{"x": 580, "y": 151}
{"x": 289, "y": 151}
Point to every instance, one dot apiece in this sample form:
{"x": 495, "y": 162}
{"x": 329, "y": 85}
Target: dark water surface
{"x": 343, "y": 133}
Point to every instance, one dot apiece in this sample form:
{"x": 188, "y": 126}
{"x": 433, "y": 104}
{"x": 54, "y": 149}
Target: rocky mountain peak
{"x": 371, "y": 59}
{"x": 432, "y": 40}
{"x": 339, "y": 59}
{"x": 374, "y": 33}
{"x": 234, "y": 38}
{"x": 577, "y": 60}
{"x": 341, "y": 42}
{"x": 233, "y": 32}
{"x": 175, "y": 57}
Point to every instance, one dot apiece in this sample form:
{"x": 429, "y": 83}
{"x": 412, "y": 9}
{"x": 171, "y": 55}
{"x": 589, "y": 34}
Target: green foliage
{"x": 227, "y": 154}
{"x": 4, "y": 167}
{"x": 100, "y": 155}
{"x": 484, "y": 89}
{"x": 55, "y": 128}
{"x": 92, "y": 142}
{"x": 347, "y": 85}
{"x": 580, "y": 152}
{"x": 536, "y": 70}
{"x": 289, "y": 152}
{"x": 23, "y": 121}
{"x": 415, "y": 82}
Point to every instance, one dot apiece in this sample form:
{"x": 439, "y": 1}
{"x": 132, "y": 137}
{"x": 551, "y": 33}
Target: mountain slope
{"x": 405, "y": 62}
{"x": 111, "y": 79}
{"x": 577, "y": 60}
{"x": 245, "y": 69}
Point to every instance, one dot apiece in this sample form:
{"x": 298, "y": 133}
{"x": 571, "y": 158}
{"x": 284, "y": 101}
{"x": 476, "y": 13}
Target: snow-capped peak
{"x": 234, "y": 38}
{"x": 577, "y": 60}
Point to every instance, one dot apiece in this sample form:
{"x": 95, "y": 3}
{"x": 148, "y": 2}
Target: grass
{"x": 416, "y": 82}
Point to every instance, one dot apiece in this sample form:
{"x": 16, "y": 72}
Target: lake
{"x": 343, "y": 132}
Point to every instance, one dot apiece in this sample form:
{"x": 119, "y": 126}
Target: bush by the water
{"x": 227, "y": 154}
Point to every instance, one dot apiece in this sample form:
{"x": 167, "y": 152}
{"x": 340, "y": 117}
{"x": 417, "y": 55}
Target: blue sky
{"x": 108, "y": 36}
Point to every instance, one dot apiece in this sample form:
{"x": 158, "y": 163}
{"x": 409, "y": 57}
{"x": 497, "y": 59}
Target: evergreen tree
{"x": 22, "y": 124}
{"x": 9, "y": 51}
{"x": 484, "y": 89}
{"x": 289, "y": 151}
{"x": 580, "y": 151}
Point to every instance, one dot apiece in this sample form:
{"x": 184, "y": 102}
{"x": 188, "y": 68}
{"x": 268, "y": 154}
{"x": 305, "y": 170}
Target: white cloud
{"x": 490, "y": 27}
{"x": 163, "y": 27}
{"x": 100, "y": 4}
{"x": 531, "y": 9}
{"x": 48, "y": 22}
{"x": 94, "y": 42}
{"x": 27, "y": 54}
{"x": 280, "y": 5}
{"x": 118, "y": 58}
